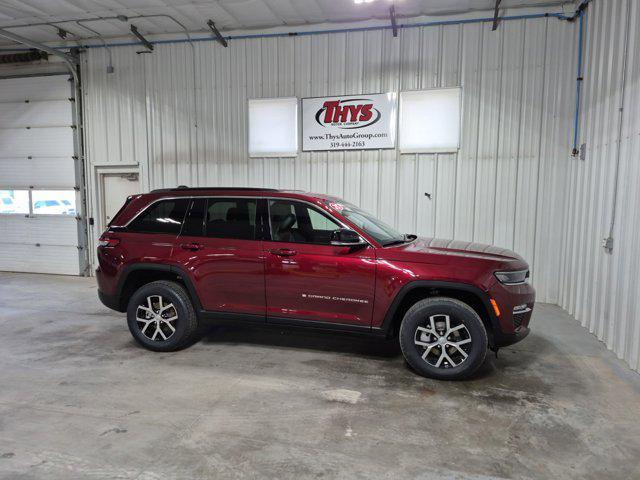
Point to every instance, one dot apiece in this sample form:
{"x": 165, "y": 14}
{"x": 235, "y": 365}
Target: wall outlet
{"x": 607, "y": 244}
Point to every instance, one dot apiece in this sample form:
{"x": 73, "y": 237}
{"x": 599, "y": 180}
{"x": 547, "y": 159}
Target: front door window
{"x": 297, "y": 222}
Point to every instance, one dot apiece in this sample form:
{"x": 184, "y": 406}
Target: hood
{"x": 439, "y": 251}
{"x": 467, "y": 249}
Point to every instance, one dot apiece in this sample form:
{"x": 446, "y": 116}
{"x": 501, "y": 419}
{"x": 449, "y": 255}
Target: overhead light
{"x": 217, "y": 33}
{"x": 362, "y": 1}
{"x": 144, "y": 41}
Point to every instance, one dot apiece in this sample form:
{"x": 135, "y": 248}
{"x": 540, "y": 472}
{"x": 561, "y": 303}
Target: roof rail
{"x": 190, "y": 189}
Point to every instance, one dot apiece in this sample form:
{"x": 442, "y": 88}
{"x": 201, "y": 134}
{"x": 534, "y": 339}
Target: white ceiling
{"x": 227, "y": 14}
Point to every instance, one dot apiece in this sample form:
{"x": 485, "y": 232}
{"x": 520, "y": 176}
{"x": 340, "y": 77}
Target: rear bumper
{"x": 109, "y": 301}
{"x": 107, "y": 291}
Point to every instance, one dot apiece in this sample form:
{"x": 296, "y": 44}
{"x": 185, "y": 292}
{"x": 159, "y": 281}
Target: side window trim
{"x": 263, "y": 219}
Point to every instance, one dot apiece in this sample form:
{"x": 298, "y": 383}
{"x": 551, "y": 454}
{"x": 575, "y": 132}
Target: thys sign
{"x": 352, "y": 122}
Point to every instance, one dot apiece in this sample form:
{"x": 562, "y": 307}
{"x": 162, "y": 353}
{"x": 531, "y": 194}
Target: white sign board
{"x": 353, "y": 122}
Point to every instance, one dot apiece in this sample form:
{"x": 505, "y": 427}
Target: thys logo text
{"x": 348, "y": 114}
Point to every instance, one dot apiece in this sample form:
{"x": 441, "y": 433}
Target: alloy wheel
{"x": 156, "y": 318}
{"x": 443, "y": 341}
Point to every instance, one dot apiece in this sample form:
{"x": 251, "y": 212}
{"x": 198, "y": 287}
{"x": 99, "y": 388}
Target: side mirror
{"x": 344, "y": 237}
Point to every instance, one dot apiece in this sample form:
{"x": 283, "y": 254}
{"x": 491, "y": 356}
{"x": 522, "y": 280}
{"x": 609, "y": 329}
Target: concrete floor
{"x": 78, "y": 399}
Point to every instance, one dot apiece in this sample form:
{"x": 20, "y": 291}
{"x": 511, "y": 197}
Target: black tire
{"x": 186, "y": 324}
{"x": 459, "y": 313}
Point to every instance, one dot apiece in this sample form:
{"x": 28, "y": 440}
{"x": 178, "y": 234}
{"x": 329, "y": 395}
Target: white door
{"x": 37, "y": 177}
{"x": 115, "y": 189}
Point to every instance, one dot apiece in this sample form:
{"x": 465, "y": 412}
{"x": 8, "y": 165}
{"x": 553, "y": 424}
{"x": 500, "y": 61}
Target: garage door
{"x": 38, "y": 225}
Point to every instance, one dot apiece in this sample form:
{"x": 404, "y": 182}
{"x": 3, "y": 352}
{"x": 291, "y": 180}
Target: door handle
{"x": 191, "y": 246}
{"x": 283, "y": 252}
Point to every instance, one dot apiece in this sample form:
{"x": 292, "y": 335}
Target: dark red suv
{"x": 175, "y": 258}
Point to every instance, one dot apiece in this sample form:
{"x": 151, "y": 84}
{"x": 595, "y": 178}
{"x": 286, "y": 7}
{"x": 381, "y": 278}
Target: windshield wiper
{"x": 400, "y": 241}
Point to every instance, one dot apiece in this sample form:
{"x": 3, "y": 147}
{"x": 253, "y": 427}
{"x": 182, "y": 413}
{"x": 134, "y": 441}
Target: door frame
{"x": 101, "y": 173}
{"x": 97, "y": 208}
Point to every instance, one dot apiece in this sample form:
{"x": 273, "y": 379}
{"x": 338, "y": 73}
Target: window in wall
{"x": 53, "y": 202}
{"x": 231, "y": 218}
{"x": 273, "y": 127}
{"x": 162, "y": 217}
{"x": 430, "y": 120}
{"x": 299, "y": 223}
{"x": 14, "y": 201}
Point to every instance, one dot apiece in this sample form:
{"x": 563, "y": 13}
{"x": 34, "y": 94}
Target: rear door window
{"x": 165, "y": 216}
{"x": 231, "y": 218}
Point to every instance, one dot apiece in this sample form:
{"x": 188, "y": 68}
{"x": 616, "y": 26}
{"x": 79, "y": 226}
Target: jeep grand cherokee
{"x": 175, "y": 258}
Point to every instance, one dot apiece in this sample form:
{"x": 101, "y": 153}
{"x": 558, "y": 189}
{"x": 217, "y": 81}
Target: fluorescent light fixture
{"x": 273, "y": 127}
{"x": 430, "y": 120}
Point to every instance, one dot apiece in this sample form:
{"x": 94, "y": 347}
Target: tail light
{"x": 105, "y": 241}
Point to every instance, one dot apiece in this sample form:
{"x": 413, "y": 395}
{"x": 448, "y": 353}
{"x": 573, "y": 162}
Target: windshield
{"x": 375, "y": 228}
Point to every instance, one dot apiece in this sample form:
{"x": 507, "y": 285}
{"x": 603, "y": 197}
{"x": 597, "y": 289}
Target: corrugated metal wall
{"x": 505, "y": 186}
{"x": 602, "y": 290}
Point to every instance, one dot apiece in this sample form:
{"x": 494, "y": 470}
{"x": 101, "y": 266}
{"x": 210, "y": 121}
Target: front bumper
{"x": 516, "y": 304}
{"x": 505, "y": 339}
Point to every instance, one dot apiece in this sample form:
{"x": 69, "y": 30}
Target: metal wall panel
{"x": 602, "y": 289}
{"x": 39, "y": 142}
{"x": 517, "y": 101}
{"x": 45, "y": 230}
{"x": 52, "y": 172}
{"x": 56, "y": 259}
{"x": 33, "y": 89}
{"x": 48, "y": 113}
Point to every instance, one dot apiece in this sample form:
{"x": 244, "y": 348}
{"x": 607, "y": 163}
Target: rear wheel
{"x": 161, "y": 317}
{"x": 443, "y": 338}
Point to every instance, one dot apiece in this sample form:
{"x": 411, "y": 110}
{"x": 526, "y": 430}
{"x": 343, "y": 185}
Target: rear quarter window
{"x": 164, "y": 216}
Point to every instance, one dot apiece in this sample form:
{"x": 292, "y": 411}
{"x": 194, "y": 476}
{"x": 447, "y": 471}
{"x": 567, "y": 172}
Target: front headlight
{"x": 512, "y": 278}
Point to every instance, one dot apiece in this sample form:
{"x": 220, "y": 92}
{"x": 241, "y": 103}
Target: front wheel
{"x": 161, "y": 317}
{"x": 443, "y": 338}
